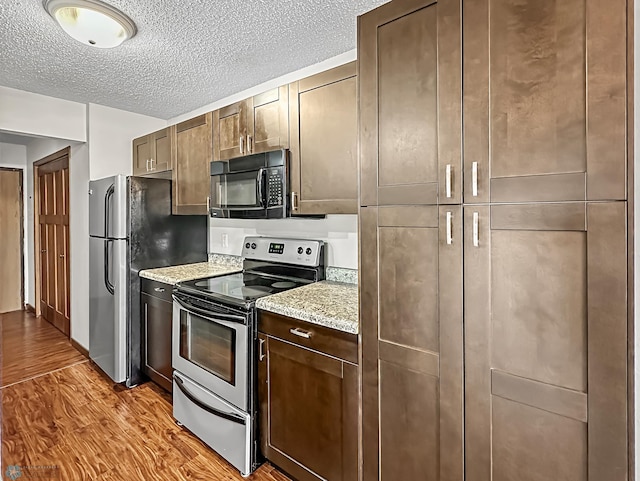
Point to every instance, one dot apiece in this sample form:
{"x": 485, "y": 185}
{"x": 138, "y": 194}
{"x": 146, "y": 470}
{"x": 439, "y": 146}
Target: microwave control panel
{"x": 275, "y": 187}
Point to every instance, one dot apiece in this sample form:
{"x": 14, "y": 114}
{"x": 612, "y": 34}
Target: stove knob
{"x": 247, "y": 245}
{"x": 253, "y": 246}
{"x": 308, "y": 251}
{"x": 300, "y": 250}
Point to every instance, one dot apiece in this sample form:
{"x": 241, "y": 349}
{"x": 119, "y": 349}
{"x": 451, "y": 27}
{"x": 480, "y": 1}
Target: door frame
{"x": 20, "y": 171}
{"x": 36, "y": 222}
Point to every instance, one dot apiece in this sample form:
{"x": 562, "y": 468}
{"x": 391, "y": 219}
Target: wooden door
{"x": 191, "y": 174}
{"x": 268, "y": 125}
{"x": 545, "y": 100}
{"x": 160, "y": 153}
{"x": 230, "y": 129}
{"x": 311, "y": 408}
{"x": 410, "y": 103}
{"x": 53, "y": 234}
{"x": 11, "y": 227}
{"x": 142, "y": 155}
{"x": 412, "y": 343}
{"x": 546, "y": 342}
{"x": 324, "y": 141}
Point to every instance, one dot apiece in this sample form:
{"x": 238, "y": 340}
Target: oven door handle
{"x": 229, "y": 416}
{"x": 214, "y": 316}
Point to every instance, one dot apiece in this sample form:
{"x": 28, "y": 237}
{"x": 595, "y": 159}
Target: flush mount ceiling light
{"x": 92, "y": 22}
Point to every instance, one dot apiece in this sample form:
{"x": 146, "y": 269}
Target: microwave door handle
{"x": 262, "y": 198}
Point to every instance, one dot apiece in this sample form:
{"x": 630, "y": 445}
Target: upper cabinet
{"x": 544, "y": 100}
{"x": 324, "y": 167}
{"x": 251, "y": 126}
{"x": 191, "y": 175}
{"x": 410, "y": 102}
{"x": 152, "y": 153}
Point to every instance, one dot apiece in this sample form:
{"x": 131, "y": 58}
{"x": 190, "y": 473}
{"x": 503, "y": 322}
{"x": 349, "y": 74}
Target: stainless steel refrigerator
{"x": 130, "y": 229}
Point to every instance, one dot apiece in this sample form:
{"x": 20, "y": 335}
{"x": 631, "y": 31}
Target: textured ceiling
{"x": 186, "y": 53}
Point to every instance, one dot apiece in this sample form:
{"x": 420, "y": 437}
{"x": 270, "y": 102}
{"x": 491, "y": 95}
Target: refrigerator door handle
{"x": 107, "y": 208}
{"x": 107, "y": 282}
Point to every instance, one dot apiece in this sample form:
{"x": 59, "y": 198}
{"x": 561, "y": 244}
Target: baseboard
{"x": 30, "y": 308}
{"x": 79, "y": 347}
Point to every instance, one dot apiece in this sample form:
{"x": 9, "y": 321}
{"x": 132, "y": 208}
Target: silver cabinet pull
{"x": 476, "y": 239}
{"x": 159, "y": 289}
{"x": 294, "y": 201}
{"x": 300, "y": 333}
{"x": 260, "y": 350}
{"x": 449, "y": 228}
{"x": 447, "y": 181}
{"x": 208, "y": 204}
{"x": 474, "y": 179}
{"x": 152, "y": 168}
{"x": 249, "y": 139}
{"x": 147, "y": 165}
{"x": 242, "y": 144}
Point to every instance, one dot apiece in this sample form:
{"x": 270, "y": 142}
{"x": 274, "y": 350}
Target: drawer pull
{"x": 300, "y": 333}
{"x": 159, "y": 289}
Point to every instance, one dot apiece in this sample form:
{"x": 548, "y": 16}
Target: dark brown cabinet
{"x": 324, "y": 140}
{"x": 545, "y": 100}
{"x": 191, "y": 174}
{"x": 308, "y": 399}
{"x": 157, "y": 311}
{"x": 409, "y": 55}
{"x": 250, "y": 126}
{"x": 152, "y": 153}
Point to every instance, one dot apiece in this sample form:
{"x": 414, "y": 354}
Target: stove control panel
{"x": 302, "y": 252}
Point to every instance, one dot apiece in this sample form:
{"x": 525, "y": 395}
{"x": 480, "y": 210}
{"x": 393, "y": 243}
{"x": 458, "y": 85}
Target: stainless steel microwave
{"x": 252, "y": 187}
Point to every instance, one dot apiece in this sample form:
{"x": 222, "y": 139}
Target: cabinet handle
{"x": 208, "y": 205}
{"x": 474, "y": 179}
{"x": 158, "y": 289}
{"x": 447, "y": 181}
{"x": 476, "y": 239}
{"x": 241, "y": 144}
{"x": 449, "y": 228}
{"x": 260, "y": 351}
{"x": 152, "y": 167}
{"x": 147, "y": 165}
{"x": 300, "y": 333}
{"x": 294, "y": 201}
{"x": 249, "y": 139}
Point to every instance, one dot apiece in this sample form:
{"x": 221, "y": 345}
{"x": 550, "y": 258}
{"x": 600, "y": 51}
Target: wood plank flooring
{"x": 30, "y": 346}
{"x": 76, "y": 419}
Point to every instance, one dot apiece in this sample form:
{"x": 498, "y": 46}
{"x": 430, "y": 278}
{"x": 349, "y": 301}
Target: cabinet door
{"x": 324, "y": 166}
{"x": 191, "y": 174}
{"x": 160, "y": 150}
{"x": 412, "y": 343}
{"x": 141, "y": 155}
{"x": 269, "y": 122}
{"x": 544, "y": 100}
{"x": 230, "y": 131}
{"x": 156, "y": 315}
{"x": 312, "y": 412}
{"x": 546, "y": 342}
{"x": 410, "y": 103}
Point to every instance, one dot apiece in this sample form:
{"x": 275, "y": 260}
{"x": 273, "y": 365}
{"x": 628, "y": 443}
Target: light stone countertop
{"x": 326, "y": 303}
{"x": 174, "y": 274}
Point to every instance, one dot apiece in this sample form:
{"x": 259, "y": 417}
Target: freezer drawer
{"x": 220, "y": 425}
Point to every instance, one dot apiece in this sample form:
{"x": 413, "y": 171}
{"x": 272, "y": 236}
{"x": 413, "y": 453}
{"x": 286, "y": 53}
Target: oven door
{"x": 239, "y": 191}
{"x": 211, "y": 348}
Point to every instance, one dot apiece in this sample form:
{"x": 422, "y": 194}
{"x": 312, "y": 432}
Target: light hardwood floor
{"x": 76, "y": 419}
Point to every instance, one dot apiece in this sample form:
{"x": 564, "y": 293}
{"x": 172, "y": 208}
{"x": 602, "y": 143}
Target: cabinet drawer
{"x": 156, "y": 289}
{"x": 342, "y": 345}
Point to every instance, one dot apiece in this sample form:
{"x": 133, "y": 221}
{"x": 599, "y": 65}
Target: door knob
{"x": 43, "y": 250}
{"x": 61, "y": 256}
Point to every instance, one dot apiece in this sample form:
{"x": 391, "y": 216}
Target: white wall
{"x": 35, "y": 114}
{"x": 110, "y": 134}
{"x": 78, "y": 229}
{"x": 340, "y": 232}
{"x": 15, "y": 157}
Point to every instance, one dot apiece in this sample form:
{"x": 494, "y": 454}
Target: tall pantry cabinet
{"x": 494, "y": 240}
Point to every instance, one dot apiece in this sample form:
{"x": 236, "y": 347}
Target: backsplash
{"x": 340, "y": 233}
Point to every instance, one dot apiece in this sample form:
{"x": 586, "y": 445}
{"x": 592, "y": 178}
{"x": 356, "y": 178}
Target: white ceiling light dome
{"x": 92, "y": 22}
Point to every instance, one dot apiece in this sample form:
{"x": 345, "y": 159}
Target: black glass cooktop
{"x": 243, "y": 287}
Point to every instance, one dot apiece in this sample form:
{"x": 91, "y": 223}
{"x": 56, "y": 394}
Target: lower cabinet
{"x": 157, "y": 311}
{"x": 308, "y": 399}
